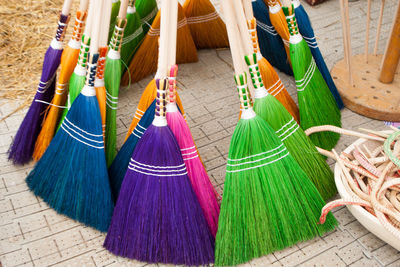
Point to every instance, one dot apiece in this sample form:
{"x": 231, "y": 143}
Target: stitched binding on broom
{"x": 138, "y": 114}
{"x": 43, "y": 86}
{"x": 253, "y": 34}
{"x": 160, "y": 171}
{"x": 92, "y": 140}
{"x": 302, "y": 84}
{"x": 156, "y": 32}
{"x": 78, "y": 26}
{"x": 243, "y": 91}
{"x": 204, "y": 18}
{"x": 161, "y": 98}
{"x": 189, "y": 153}
{"x": 268, "y": 157}
{"x": 172, "y": 83}
{"x": 150, "y": 16}
{"x": 287, "y": 130}
{"x": 111, "y": 101}
{"x": 269, "y": 29}
{"x": 101, "y": 64}
{"x": 276, "y": 88}
{"x": 131, "y": 37}
{"x": 254, "y": 70}
{"x": 83, "y": 52}
{"x": 62, "y": 26}
{"x": 138, "y": 131}
{"x": 311, "y": 41}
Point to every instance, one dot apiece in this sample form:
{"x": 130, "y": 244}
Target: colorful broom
{"x": 171, "y": 227}
{"x": 271, "y": 45}
{"x": 279, "y": 22}
{"x": 21, "y": 148}
{"x": 71, "y": 177}
{"x": 69, "y": 59}
{"x": 268, "y": 202}
{"x": 146, "y": 55}
{"x": 285, "y": 126}
{"x": 207, "y": 28}
{"x": 116, "y": 4}
{"x": 78, "y": 77}
{"x": 133, "y": 34}
{"x": 307, "y": 32}
{"x": 316, "y": 103}
{"x": 99, "y": 84}
{"x": 268, "y": 73}
{"x": 147, "y": 10}
{"x": 198, "y": 176}
{"x": 112, "y": 77}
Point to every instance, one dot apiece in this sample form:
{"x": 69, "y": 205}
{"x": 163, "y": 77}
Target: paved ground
{"x": 32, "y": 234}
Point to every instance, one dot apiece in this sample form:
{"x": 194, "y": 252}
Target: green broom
{"x": 268, "y": 202}
{"x": 286, "y": 128}
{"x": 147, "y": 10}
{"x": 133, "y": 34}
{"x": 112, "y": 78}
{"x": 316, "y": 103}
{"x": 114, "y": 12}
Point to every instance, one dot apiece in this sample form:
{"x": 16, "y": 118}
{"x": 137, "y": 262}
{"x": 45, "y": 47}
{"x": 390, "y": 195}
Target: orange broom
{"x": 69, "y": 59}
{"x": 145, "y": 60}
{"x": 207, "y": 28}
{"x": 271, "y": 80}
{"x": 99, "y": 81}
{"x": 278, "y": 20}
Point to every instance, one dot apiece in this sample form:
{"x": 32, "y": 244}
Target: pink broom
{"x": 198, "y": 176}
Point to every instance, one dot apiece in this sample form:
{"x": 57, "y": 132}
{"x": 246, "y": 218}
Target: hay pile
{"x": 26, "y": 30}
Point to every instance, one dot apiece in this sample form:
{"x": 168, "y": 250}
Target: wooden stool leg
{"x": 392, "y": 54}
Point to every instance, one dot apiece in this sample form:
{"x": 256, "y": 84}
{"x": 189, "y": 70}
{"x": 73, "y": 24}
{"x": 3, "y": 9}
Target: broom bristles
{"x": 275, "y": 87}
{"x": 147, "y": 55}
{"x": 72, "y": 176}
{"x": 147, "y": 10}
{"x": 198, "y": 176}
{"x": 207, "y": 28}
{"x": 148, "y": 96}
{"x": 171, "y": 227}
{"x": 54, "y": 110}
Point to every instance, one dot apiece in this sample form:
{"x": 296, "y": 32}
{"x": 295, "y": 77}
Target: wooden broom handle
{"x": 105, "y": 23}
{"x": 378, "y": 30}
{"x": 234, "y": 40}
{"x": 242, "y": 24}
{"x": 392, "y": 53}
{"x": 89, "y": 19}
{"x": 173, "y": 29}
{"x": 123, "y": 9}
{"x": 66, "y": 7}
{"x": 83, "y": 5}
{"x": 163, "y": 41}
{"x": 248, "y": 9}
{"x": 94, "y": 43}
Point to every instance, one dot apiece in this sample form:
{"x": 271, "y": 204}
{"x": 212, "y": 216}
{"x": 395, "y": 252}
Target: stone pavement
{"x": 32, "y": 234}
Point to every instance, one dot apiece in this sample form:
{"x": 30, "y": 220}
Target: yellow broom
{"x": 69, "y": 59}
{"x": 145, "y": 60}
{"x": 207, "y": 28}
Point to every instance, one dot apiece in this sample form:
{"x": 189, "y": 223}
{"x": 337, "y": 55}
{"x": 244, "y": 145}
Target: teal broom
{"x": 133, "y": 34}
{"x": 316, "y": 103}
{"x": 112, "y": 78}
{"x": 268, "y": 202}
{"x": 147, "y": 10}
{"x": 286, "y": 128}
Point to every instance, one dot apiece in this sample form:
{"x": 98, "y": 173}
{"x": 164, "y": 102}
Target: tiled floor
{"x": 32, "y": 234}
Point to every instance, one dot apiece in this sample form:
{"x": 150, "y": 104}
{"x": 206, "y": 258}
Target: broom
{"x": 198, "y": 176}
{"x": 171, "y": 227}
{"x": 307, "y": 32}
{"x": 71, "y": 177}
{"x": 207, "y": 28}
{"x": 316, "y": 103}
{"x": 147, "y": 10}
{"x": 271, "y": 45}
{"x": 99, "y": 85}
{"x": 296, "y": 141}
{"x": 268, "y": 202}
{"x": 133, "y": 34}
{"x": 112, "y": 77}
{"x": 78, "y": 77}
{"x": 23, "y": 144}
{"x": 269, "y": 75}
{"x": 116, "y": 4}
{"x": 146, "y": 55}
{"x": 69, "y": 59}
{"x": 278, "y": 21}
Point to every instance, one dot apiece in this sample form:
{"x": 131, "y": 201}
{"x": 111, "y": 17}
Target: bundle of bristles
{"x": 371, "y": 176}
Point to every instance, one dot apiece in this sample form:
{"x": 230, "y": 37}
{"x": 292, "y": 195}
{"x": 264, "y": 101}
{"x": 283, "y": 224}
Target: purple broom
{"x": 21, "y": 149}
{"x": 157, "y": 217}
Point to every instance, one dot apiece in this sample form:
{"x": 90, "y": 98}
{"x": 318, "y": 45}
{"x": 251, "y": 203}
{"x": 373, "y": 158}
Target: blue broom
{"x": 271, "y": 44}
{"x": 71, "y": 176}
{"x": 307, "y": 32}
